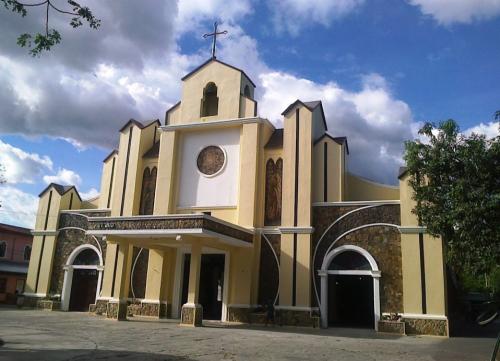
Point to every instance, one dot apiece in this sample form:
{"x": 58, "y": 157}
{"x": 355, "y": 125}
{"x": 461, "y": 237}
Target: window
{"x": 148, "y": 191}
{"x": 350, "y": 260}
{"x": 210, "y": 101}
{"x": 274, "y": 173}
{"x": 246, "y": 92}
{"x": 3, "y": 285}
{"x": 27, "y": 253}
{"x": 3, "y": 249}
{"x": 87, "y": 257}
{"x": 20, "y": 285}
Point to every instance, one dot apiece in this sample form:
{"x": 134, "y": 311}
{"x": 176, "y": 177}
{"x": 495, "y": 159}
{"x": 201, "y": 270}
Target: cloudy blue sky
{"x": 381, "y": 68}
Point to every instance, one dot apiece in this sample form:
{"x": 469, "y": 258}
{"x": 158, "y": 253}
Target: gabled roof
{"x": 14, "y": 229}
{"x": 170, "y": 109}
{"x": 139, "y": 124}
{"x": 113, "y": 152}
{"x": 62, "y": 190}
{"x": 338, "y": 140}
{"x": 309, "y": 105}
{"x": 220, "y": 62}
{"x": 153, "y": 152}
{"x": 276, "y": 140}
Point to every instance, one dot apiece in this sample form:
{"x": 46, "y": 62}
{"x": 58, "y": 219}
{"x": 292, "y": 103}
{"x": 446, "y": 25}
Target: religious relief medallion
{"x": 211, "y": 160}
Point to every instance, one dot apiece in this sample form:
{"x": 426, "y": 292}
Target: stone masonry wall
{"x": 67, "y": 240}
{"x": 382, "y": 242}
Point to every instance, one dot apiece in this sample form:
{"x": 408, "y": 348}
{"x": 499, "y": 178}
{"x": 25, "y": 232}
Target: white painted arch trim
{"x": 68, "y": 273}
{"x": 330, "y": 256}
{"x": 79, "y": 249}
{"x": 324, "y": 272}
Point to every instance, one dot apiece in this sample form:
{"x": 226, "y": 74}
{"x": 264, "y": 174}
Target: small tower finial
{"x": 214, "y": 34}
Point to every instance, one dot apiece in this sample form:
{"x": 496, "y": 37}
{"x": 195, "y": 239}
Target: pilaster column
{"x": 192, "y": 312}
{"x": 157, "y": 276}
{"x": 117, "y": 307}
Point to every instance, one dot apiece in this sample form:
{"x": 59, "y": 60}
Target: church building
{"x": 216, "y": 214}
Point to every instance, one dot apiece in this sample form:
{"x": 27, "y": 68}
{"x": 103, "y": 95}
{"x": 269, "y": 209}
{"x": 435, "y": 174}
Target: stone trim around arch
{"x": 324, "y": 272}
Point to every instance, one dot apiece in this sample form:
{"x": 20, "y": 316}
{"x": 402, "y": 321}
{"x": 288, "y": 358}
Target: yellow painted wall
{"x": 107, "y": 279}
{"x": 228, "y": 82}
{"x": 435, "y": 281}
{"x": 359, "y": 189}
{"x": 106, "y": 182}
{"x": 165, "y": 184}
{"x": 249, "y": 155}
{"x": 335, "y": 171}
{"x": 247, "y": 107}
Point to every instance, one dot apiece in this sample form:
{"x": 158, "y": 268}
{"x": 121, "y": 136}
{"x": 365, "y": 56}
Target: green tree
{"x": 456, "y": 179}
{"x": 40, "y": 42}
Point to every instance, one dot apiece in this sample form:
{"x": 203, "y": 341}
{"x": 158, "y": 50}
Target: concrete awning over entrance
{"x": 200, "y": 225}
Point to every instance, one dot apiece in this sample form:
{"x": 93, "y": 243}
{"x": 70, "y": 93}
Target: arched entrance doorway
{"x": 82, "y": 278}
{"x": 349, "y": 288}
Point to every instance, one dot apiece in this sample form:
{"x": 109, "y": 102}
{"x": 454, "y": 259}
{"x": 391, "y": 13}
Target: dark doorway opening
{"x": 350, "y": 301}
{"x": 211, "y": 284}
{"x": 185, "y": 278}
{"x": 83, "y": 289}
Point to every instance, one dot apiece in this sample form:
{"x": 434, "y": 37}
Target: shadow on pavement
{"x": 13, "y": 354}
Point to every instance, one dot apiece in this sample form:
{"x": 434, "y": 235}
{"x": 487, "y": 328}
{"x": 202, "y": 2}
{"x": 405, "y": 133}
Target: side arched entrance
{"x": 82, "y": 278}
{"x": 350, "y": 288}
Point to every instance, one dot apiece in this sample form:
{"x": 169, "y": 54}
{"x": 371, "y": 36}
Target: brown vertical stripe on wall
{"x": 295, "y": 209}
{"x": 48, "y": 211}
{"x": 114, "y": 271}
{"x": 111, "y": 181}
{"x": 126, "y": 171}
{"x": 43, "y": 242}
{"x": 71, "y": 200}
{"x": 422, "y": 272}
{"x": 154, "y": 135}
{"x": 325, "y": 172}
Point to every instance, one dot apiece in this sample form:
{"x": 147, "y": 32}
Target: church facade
{"x": 216, "y": 214}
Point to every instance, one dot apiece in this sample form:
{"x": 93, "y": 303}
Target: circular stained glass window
{"x": 211, "y": 160}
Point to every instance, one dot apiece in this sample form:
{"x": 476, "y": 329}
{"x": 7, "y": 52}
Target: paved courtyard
{"x": 40, "y": 335}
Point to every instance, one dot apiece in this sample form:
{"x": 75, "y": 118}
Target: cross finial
{"x": 214, "y": 34}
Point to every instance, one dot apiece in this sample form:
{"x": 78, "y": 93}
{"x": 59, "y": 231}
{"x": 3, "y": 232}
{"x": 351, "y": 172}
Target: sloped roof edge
{"x": 311, "y": 105}
{"x": 195, "y": 70}
{"x": 62, "y": 190}
{"x": 338, "y": 140}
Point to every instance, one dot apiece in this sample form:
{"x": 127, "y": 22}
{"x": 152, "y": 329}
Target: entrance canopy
{"x": 171, "y": 226}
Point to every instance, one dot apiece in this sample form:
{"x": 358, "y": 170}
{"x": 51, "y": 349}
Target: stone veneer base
{"x": 433, "y": 327}
{"x": 149, "y": 309}
{"x": 395, "y": 327}
{"x": 192, "y": 315}
{"x": 117, "y": 310}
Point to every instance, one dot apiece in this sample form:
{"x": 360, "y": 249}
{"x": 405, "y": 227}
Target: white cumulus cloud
{"x": 375, "y": 122}
{"x": 21, "y": 166}
{"x": 447, "y": 12}
{"x": 293, "y": 15}
{"x": 17, "y": 207}
{"x": 92, "y": 193}
{"x": 64, "y": 176}
{"x": 490, "y": 130}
